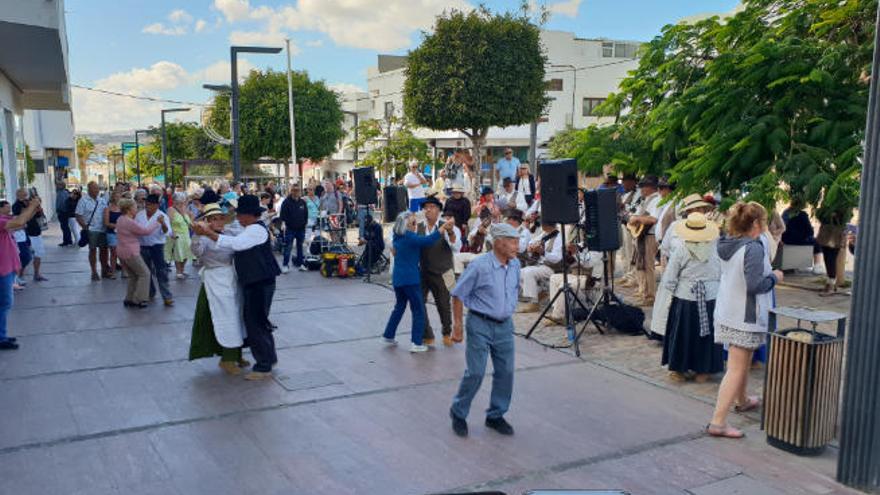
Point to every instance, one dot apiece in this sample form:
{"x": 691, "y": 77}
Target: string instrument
{"x": 479, "y": 239}
{"x": 636, "y": 229}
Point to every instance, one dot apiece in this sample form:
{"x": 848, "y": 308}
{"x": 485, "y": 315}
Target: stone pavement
{"x": 101, "y": 400}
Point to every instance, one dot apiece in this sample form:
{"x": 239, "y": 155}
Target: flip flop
{"x": 725, "y": 431}
{"x": 752, "y": 404}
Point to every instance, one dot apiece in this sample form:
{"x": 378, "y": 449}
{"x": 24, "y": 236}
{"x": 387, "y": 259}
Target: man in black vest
{"x": 436, "y": 266}
{"x": 256, "y": 269}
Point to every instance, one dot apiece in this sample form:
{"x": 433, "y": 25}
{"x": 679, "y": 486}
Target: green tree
{"x": 389, "y": 154}
{"x": 475, "y": 71}
{"x": 84, "y": 149}
{"x": 264, "y": 122}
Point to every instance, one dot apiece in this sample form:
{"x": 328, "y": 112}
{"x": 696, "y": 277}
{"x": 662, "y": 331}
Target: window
{"x": 389, "y": 109}
{"x": 607, "y": 49}
{"x": 619, "y": 50}
{"x": 590, "y": 104}
{"x": 553, "y": 85}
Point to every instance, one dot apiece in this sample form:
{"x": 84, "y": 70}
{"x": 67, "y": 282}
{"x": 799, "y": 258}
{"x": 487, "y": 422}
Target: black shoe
{"x": 128, "y": 304}
{"x": 500, "y": 425}
{"x": 459, "y": 425}
{"x": 11, "y": 339}
{"x": 8, "y": 345}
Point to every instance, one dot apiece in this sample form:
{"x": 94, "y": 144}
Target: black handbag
{"x": 84, "y": 234}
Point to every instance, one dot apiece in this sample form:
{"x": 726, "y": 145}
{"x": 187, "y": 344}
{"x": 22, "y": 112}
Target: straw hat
{"x": 210, "y": 210}
{"x": 696, "y": 229}
{"x": 692, "y": 201}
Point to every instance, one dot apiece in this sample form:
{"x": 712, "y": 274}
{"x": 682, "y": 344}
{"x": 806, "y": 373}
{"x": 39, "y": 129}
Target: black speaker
{"x": 559, "y": 199}
{"x": 396, "y": 201}
{"x": 602, "y": 224}
{"x": 364, "y": 185}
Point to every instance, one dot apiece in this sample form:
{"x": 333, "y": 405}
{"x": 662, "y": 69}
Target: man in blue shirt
{"x": 489, "y": 288}
{"x": 505, "y": 168}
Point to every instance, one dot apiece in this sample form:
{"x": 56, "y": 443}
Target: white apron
{"x": 224, "y": 300}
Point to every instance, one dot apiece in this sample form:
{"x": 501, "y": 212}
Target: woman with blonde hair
{"x": 744, "y": 300}
{"x": 178, "y": 249}
{"x": 128, "y": 249}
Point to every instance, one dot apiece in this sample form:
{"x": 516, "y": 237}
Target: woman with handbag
{"x": 179, "y": 247}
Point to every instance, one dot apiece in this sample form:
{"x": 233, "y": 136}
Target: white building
{"x": 580, "y": 74}
{"x": 33, "y": 76}
{"x": 49, "y": 135}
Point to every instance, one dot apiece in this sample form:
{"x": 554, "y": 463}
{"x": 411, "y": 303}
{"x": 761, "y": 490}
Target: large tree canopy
{"x": 776, "y": 94}
{"x": 264, "y": 125}
{"x": 476, "y": 70}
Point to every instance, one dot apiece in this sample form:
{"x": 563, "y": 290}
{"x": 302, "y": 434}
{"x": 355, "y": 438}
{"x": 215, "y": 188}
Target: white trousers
{"x": 578, "y": 283}
{"x": 627, "y": 248}
{"x": 461, "y": 260}
{"x": 532, "y": 279}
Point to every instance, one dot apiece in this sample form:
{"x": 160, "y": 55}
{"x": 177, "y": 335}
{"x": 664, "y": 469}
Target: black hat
{"x": 665, "y": 183}
{"x": 514, "y": 214}
{"x": 629, "y": 176}
{"x": 432, "y": 200}
{"x": 611, "y": 179}
{"x": 152, "y": 198}
{"x": 648, "y": 180}
{"x": 486, "y": 190}
{"x": 209, "y": 196}
{"x": 249, "y": 205}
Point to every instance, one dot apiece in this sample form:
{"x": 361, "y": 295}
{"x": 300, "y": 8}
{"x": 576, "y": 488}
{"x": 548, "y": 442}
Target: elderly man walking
{"x": 90, "y": 216}
{"x": 488, "y": 287}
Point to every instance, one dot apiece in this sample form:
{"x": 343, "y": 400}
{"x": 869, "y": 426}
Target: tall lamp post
{"x": 164, "y": 152}
{"x": 858, "y": 464}
{"x": 233, "y": 62}
{"x": 137, "y": 152}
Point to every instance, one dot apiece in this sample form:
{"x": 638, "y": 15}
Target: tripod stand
{"x": 570, "y": 296}
{"x": 603, "y": 300}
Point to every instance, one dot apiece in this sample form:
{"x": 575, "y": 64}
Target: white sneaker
{"x": 389, "y": 341}
{"x": 303, "y": 268}
{"x": 418, "y": 348}
{"x": 285, "y": 269}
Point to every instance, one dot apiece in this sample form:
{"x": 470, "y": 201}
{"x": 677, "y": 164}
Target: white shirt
{"x": 157, "y": 237}
{"x": 455, "y": 246}
{"x": 518, "y": 198}
{"x": 252, "y": 235}
{"x": 649, "y": 207}
{"x": 84, "y": 208}
{"x": 525, "y": 237}
{"x": 661, "y": 215}
{"x": 410, "y": 180}
{"x": 554, "y": 255}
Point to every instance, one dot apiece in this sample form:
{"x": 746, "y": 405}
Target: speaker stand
{"x": 604, "y": 299}
{"x": 569, "y": 295}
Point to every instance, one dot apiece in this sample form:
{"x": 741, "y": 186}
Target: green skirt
{"x": 203, "y": 343}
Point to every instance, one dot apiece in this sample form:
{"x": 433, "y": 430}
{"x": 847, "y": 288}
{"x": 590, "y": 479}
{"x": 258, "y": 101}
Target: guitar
{"x": 636, "y": 229}
{"x": 479, "y": 239}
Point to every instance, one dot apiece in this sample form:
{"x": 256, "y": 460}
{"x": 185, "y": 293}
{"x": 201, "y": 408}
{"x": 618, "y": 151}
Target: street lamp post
{"x": 164, "y": 152}
{"x": 137, "y": 152}
{"x": 233, "y": 62}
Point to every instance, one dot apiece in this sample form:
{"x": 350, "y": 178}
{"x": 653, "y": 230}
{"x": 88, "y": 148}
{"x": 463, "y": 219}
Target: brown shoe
{"x": 243, "y": 363}
{"x": 447, "y": 340}
{"x": 230, "y": 368}
{"x": 255, "y": 376}
{"x": 169, "y": 302}
{"x": 428, "y": 341}
{"x": 702, "y": 377}
{"x": 675, "y": 376}
{"x": 528, "y": 307}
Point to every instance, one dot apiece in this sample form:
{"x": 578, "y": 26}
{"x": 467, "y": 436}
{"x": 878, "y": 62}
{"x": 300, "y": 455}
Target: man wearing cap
{"x": 506, "y": 168}
{"x": 436, "y": 267}
{"x": 488, "y": 288}
{"x": 153, "y": 247}
{"x": 645, "y": 220}
{"x": 256, "y": 269}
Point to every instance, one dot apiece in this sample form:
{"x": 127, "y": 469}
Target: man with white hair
{"x": 415, "y": 182}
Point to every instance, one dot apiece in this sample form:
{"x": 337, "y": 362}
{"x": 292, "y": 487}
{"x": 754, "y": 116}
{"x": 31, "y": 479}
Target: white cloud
{"x": 346, "y": 88}
{"x": 315, "y": 43}
{"x": 200, "y": 25}
{"x": 180, "y": 16}
{"x": 566, "y": 7}
{"x": 219, "y": 72}
{"x": 233, "y": 10}
{"x": 162, "y": 75}
{"x": 371, "y": 24}
{"x": 159, "y": 28}
{"x": 260, "y": 38}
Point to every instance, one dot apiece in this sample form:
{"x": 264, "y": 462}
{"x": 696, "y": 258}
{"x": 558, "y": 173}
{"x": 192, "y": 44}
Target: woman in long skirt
{"x": 218, "y": 328}
{"x": 691, "y": 277}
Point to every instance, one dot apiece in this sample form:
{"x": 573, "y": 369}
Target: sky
{"x": 166, "y": 49}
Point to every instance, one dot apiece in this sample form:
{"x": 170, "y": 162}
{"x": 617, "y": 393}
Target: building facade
{"x": 580, "y": 75}
{"x": 33, "y": 76}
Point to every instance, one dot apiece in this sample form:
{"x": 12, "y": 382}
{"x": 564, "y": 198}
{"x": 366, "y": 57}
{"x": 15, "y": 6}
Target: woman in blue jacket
{"x": 407, "y": 248}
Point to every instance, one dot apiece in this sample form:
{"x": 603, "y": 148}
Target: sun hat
{"x": 210, "y": 210}
{"x": 692, "y": 201}
{"x": 458, "y": 188}
{"x": 696, "y": 229}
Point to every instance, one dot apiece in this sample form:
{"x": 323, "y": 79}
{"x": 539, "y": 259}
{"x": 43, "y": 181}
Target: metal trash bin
{"x": 802, "y": 383}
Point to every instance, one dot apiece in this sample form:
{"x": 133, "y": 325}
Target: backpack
{"x": 623, "y": 317}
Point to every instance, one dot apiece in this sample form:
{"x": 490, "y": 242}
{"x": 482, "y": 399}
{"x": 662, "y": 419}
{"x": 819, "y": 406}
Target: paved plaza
{"x": 102, "y": 400}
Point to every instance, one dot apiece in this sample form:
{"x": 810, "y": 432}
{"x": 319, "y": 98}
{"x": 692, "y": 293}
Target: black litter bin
{"x": 802, "y": 383}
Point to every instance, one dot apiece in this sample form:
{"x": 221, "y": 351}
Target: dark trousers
{"x": 432, "y": 282}
{"x": 154, "y": 257}
{"x": 67, "y": 237}
{"x": 829, "y": 255}
{"x": 289, "y": 236}
{"x": 257, "y": 301}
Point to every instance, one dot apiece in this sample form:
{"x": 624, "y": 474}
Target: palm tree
{"x": 84, "y": 148}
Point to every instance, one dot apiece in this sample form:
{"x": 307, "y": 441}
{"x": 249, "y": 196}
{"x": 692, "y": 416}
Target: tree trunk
{"x": 477, "y": 136}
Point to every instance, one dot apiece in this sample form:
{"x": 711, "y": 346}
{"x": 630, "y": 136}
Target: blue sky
{"x": 168, "y": 48}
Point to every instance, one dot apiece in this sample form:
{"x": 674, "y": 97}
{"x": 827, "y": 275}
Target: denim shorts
{"x": 111, "y": 239}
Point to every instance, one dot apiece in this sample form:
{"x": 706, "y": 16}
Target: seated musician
{"x": 478, "y": 242}
{"x": 545, "y": 256}
{"x": 514, "y": 217}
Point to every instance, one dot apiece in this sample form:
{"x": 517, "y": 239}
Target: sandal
{"x": 751, "y": 404}
{"x": 725, "y": 431}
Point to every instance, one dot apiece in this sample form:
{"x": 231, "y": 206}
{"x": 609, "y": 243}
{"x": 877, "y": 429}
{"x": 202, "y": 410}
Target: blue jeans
{"x": 413, "y": 295}
{"x": 6, "y": 298}
{"x": 486, "y": 338}
{"x": 154, "y": 257}
{"x": 416, "y": 204}
{"x": 361, "y": 215}
{"x": 289, "y": 236}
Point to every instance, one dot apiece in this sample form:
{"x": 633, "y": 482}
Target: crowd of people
{"x": 482, "y": 249}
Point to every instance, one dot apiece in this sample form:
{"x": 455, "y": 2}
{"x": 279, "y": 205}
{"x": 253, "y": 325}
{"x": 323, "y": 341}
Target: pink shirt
{"x": 9, "y": 261}
{"x": 128, "y": 233}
